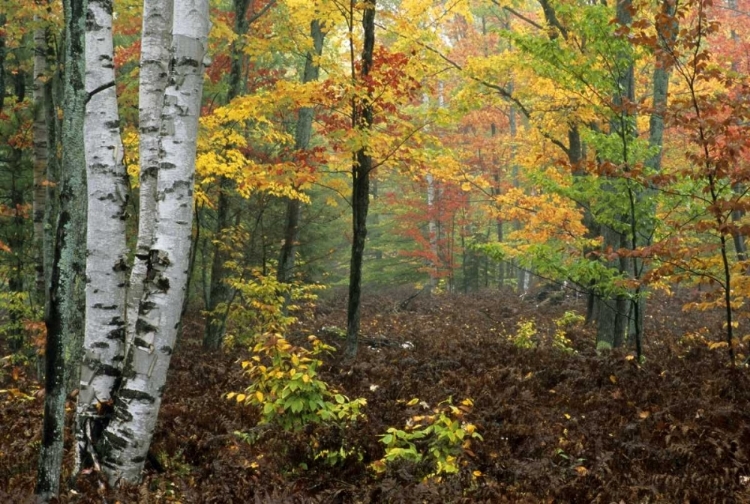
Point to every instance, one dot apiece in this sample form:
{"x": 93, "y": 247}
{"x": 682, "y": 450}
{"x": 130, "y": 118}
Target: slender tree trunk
{"x": 41, "y": 151}
{"x": 219, "y": 291}
{"x": 106, "y": 263}
{"x": 361, "y": 167}
{"x": 302, "y": 136}
{"x": 432, "y": 231}
{"x": 155, "y": 43}
{"x": 612, "y": 318}
{"x": 64, "y": 319}
{"x": 660, "y": 86}
{"x": 128, "y": 436}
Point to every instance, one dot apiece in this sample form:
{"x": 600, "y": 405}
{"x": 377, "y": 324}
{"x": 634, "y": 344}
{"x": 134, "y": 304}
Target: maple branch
{"x": 500, "y": 89}
{"x": 339, "y": 193}
{"x": 260, "y": 13}
{"x": 551, "y": 18}
{"x": 519, "y": 15}
{"x": 397, "y": 147}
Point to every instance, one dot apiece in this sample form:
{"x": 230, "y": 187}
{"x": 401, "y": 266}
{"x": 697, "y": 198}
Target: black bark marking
{"x": 142, "y": 326}
{"x": 137, "y": 395}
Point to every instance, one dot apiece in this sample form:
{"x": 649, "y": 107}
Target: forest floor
{"x": 557, "y": 426}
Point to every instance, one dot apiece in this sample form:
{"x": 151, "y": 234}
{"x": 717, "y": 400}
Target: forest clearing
{"x": 374, "y": 250}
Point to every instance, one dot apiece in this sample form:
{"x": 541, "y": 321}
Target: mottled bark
{"x": 128, "y": 436}
{"x": 155, "y": 43}
{"x": 64, "y": 319}
{"x": 106, "y": 263}
{"x": 362, "y": 165}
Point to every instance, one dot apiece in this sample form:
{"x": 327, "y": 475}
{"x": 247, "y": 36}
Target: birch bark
{"x": 106, "y": 263}
{"x": 155, "y": 43}
{"x": 128, "y": 436}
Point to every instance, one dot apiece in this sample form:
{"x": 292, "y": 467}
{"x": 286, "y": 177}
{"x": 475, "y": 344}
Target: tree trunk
{"x": 106, "y": 263}
{"x": 302, "y": 136}
{"x": 41, "y": 151}
{"x": 361, "y": 167}
{"x": 128, "y": 436}
{"x": 219, "y": 292}
{"x": 432, "y": 231}
{"x": 64, "y": 318}
{"x": 155, "y": 43}
{"x": 655, "y": 141}
{"x": 612, "y": 318}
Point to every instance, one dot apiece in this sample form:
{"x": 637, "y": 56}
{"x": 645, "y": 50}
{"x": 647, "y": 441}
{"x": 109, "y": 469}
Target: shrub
{"x": 443, "y": 438}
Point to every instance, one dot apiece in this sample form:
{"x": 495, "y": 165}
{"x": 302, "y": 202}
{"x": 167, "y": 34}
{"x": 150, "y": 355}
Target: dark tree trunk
{"x": 64, "y": 319}
{"x": 219, "y": 291}
{"x": 362, "y": 165}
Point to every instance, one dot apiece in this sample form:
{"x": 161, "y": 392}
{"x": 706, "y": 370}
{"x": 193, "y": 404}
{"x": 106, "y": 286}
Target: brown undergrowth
{"x": 557, "y": 426}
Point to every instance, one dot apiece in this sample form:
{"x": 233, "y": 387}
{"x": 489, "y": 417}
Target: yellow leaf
{"x": 567, "y": 416}
{"x": 306, "y": 378}
{"x": 259, "y": 395}
{"x": 245, "y": 364}
{"x": 240, "y": 397}
{"x": 582, "y": 471}
{"x": 466, "y": 187}
{"x": 476, "y": 474}
{"x": 613, "y": 378}
{"x": 413, "y": 401}
{"x": 231, "y": 395}
{"x": 295, "y": 360}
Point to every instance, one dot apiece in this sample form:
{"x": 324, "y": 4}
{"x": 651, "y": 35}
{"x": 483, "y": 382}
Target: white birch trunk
{"x": 432, "y": 230}
{"x": 155, "y": 43}
{"x": 129, "y": 434}
{"x": 106, "y": 269}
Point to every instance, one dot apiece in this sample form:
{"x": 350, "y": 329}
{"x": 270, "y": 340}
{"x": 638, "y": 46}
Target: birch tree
{"x": 156, "y": 40}
{"x": 106, "y": 263}
{"x": 128, "y": 436}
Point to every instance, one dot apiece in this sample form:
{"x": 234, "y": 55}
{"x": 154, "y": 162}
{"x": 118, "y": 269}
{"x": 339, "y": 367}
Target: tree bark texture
{"x": 155, "y": 43}
{"x": 362, "y": 166}
{"x": 128, "y": 436}
{"x": 64, "y": 318}
{"x": 106, "y": 263}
